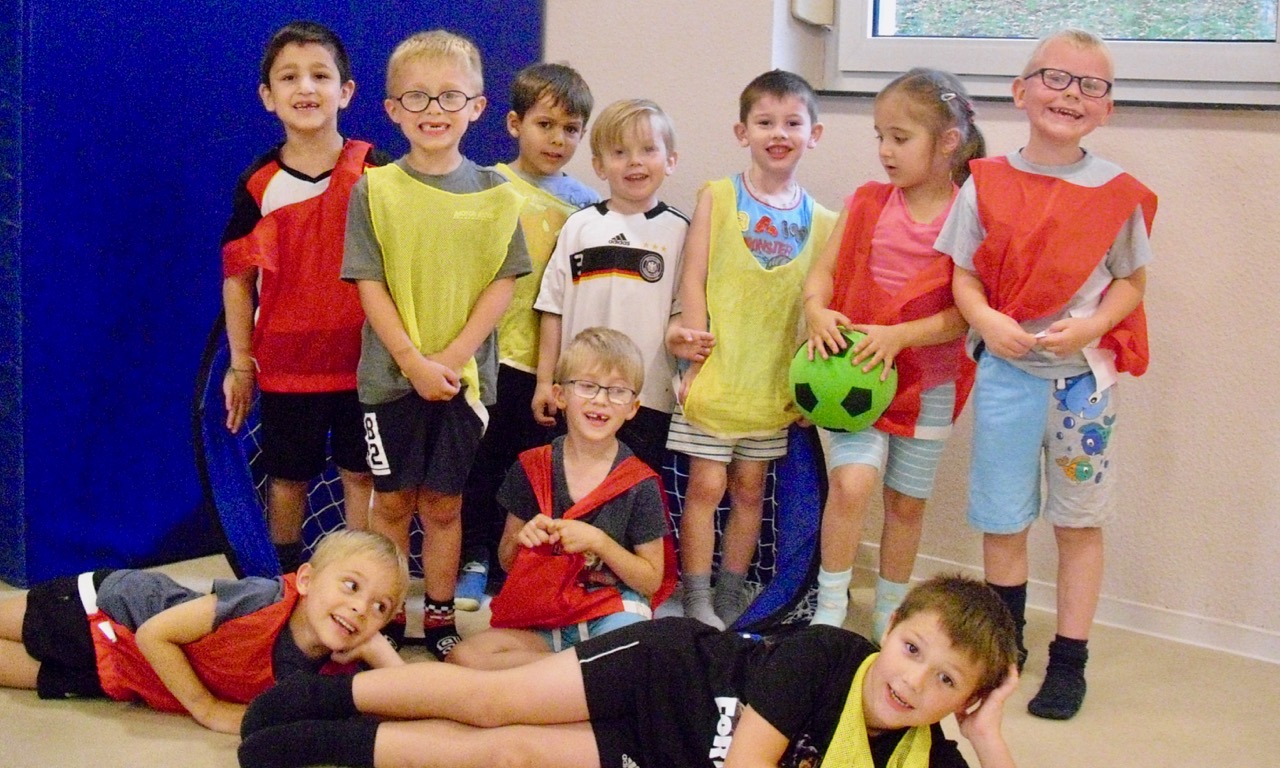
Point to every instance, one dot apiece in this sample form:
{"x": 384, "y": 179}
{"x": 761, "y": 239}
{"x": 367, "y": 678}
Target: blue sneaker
{"x": 469, "y": 592}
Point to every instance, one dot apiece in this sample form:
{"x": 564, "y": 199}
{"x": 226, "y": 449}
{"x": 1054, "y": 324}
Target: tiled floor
{"x": 1152, "y": 704}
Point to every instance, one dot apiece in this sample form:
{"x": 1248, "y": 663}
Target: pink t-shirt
{"x": 901, "y": 247}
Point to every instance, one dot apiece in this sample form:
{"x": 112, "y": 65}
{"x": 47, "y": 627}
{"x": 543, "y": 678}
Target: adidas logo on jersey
{"x": 627, "y": 762}
{"x": 619, "y": 239}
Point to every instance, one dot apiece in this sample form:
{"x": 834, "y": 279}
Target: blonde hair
{"x": 345, "y": 543}
{"x": 622, "y": 118}
{"x": 1080, "y": 39}
{"x": 605, "y": 350}
{"x": 437, "y": 45}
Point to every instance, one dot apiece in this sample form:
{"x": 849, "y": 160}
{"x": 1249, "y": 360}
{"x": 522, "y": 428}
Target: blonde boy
{"x": 434, "y": 247}
{"x": 138, "y": 635}
{"x": 585, "y": 519}
{"x": 750, "y": 244}
{"x": 550, "y": 106}
{"x": 617, "y": 265}
{"x": 1050, "y": 327}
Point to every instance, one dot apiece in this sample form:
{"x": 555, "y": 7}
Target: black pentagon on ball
{"x": 805, "y": 397}
{"x": 857, "y": 402}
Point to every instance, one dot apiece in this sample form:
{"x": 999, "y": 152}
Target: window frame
{"x": 1228, "y": 74}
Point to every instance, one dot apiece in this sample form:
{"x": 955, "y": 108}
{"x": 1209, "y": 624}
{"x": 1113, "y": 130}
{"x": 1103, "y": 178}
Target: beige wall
{"x": 1194, "y": 554}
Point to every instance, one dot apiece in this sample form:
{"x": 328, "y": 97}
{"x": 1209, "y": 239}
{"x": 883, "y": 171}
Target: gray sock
{"x": 731, "y": 596}
{"x": 697, "y": 599}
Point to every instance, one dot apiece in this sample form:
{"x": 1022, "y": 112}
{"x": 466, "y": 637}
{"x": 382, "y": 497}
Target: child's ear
{"x": 740, "y": 133}
{"x": 347, "y": 93}
{"x": 477, "y": 107}
{"x": 950, "y": 141}
{"x": 598, "y": 167}
{"x": 303, "y": 580}
{"x": 268, "y": 101}
{"x": 513, "y": 124}
{"x": 815, "y": 135}
{"x": 558, "y": 394}
{"x": 672, "y": 157}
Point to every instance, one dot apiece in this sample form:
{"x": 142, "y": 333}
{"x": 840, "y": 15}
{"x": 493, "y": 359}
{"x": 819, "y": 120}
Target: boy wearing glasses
{"x": 1051, "y": 245}
{"x": 616, "y": 264}
{"x": 586, "y": 542}
{"x": 434, "y": 246}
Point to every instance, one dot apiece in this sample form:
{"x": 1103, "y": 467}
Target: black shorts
{"x": 646, "y": 435}
{"x": 299, "y": 429}
{"x": 649, "y": 694}
{"x": 415, "y": 442}
{"x": 55, "y": 632}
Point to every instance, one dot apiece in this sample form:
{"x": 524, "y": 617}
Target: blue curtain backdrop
{"x": 123, "y": 128}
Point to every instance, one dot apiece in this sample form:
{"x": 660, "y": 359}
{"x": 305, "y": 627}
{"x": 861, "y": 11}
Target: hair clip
{"x": 948, "y": 95}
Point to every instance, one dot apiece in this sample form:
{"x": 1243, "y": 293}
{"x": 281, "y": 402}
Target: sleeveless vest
{"x": 1039, "y": 249}
{"x": 860, "y": 298}
{"x": 440, "y": 250}
{"x": 542, "y": 590}
{"x": 754, "y": 313}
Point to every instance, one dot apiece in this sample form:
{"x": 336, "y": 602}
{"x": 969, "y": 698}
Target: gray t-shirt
{"x": 963, "y": 233}
{"x": 378, "y": 378}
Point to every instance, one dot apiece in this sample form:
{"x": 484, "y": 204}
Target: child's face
{"x": 778, "y": 131}
{"x": 433, "y": 133}
{"x": 1060, "y": 119}
{"x": 345, "y": 603}
{"x": 919, "y": 677}
{"x": 547, "y": 136}
{"x": 636, "y": 168}
{"x": 597, "y": 417}
{"x": 305, "y": 90}
{"x": 909, "y": 152}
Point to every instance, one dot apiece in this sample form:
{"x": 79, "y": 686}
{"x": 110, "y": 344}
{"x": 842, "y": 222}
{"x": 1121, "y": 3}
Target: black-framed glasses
{"x": 587, "y": 390}
{"x": 449, "y": 101}
{"x": 1060, "y": 80}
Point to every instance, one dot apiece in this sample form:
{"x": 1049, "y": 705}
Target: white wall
{"x": 1194, "y": 553}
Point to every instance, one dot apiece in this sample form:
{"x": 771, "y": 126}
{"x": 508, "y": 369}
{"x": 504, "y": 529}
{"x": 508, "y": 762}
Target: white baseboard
{"x": 1177, "y": 626}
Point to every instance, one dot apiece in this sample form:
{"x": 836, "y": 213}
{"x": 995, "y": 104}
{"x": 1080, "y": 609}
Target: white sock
{"x": 889, "y": 595}
{"x": 833, "y": 597}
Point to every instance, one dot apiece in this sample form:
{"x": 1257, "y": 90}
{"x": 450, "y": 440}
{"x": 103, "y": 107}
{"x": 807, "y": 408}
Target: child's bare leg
{"x": 286, "y": 504}
{"x": 17, "y": 669}
{"x": 441, "y": 517}
{"x": 1080, "y": 557}
{"x": 357, "y": 495}
{"x": 445, "y": 744}
{"x": 848, "y": 488}
{"x": 741, "y": 536}
{"x": 390, "y": 514}
{"x": 499, "y": 649}
{"x": 547, "y": 691}
{"x": 707, "y": 481}
{"x": 899, "y": 543}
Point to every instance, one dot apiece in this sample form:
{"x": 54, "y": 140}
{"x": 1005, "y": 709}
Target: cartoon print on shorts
{"x": 1082, "y": 431}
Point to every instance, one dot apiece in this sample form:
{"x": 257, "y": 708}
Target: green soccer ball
{"x": 837, "y": 395}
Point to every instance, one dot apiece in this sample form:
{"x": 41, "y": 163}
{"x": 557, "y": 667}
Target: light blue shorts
{"x": 635, "y": 609}
{"x": 687, "y": 439}
{"x": 1022, "y": 422}
{"x": 909, "y": 463}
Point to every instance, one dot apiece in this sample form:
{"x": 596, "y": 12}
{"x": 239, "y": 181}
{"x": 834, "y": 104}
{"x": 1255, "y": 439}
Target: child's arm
{"x": 161, "y": 638}
{"x": 823, "y": 322}
{"x": 237, "y": 384}
{"x": 484, "y": 317}
{"x": 431, "y": 379}
{"x": 756, "y": 743}
{"x": 509, "y": 542}
{"x": 982, "y": 726}
{"x": 641, "y": 570}
{"x": 693, "y": 273}
{"x": 1072, "y": 334}
{"x": 550, "y": 326}
{"x": 884, "y": 342}
{"x": 1001, "y": 333}
{"x": 376, "y": 652}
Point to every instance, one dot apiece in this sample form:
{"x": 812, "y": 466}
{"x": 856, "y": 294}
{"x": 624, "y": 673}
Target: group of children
{"x": 623, "y": 330}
